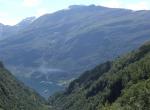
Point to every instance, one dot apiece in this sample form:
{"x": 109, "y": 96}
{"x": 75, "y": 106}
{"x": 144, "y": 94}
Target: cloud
{"x": 8, "y": 21}
{"x": 139, "y": 5}
{"x": 2, "y": 14}
{"x": 112, "y": 3}
{"x": 4, "y": 18}
{"x": 41, "y": 12}
{"x": 31, "y": 3}
{"x": 143, "y": 5}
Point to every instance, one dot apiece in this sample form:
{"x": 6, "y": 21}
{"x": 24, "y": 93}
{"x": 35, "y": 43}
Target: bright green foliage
{"x": 137, "y": 97}
{"x": 15, "y": 96}
{"x": 123, "y": 84}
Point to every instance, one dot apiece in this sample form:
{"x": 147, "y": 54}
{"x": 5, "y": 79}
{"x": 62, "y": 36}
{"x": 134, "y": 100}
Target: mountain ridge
{"x": 72, "y": 41}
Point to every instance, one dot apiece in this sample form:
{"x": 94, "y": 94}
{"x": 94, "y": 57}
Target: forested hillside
{"x": 123, "y": 84}
{"x": 15, "y": 96}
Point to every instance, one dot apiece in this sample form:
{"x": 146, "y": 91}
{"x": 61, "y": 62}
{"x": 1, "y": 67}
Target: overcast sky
{"x": 12, "y": 11}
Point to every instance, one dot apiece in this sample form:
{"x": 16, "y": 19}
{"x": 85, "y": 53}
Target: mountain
{"x": 122, "y": 84}
{"x": 15, "y": 96}
{"x": 56, "y": 48}
{"x": 7, "y": 31}
{"x": 26, "y": 22}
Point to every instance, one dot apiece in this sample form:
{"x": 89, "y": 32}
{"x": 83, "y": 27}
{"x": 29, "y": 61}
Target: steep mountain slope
{"x": 123, "y": 84}
{"x": 57, "y": 47}
{"x": 15, "y": 96}
{"x": 7, "y": 31}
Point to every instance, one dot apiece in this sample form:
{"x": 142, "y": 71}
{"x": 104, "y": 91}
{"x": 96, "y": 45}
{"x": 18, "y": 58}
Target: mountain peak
{"x": 84, "y": 6}
{"x": 29, "y": 18}
{"x": 1, "y": 24}
{"x": 26, "y": 21}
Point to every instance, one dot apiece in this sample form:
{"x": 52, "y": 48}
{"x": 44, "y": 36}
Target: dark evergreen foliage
{"x": 15, "y": 96}
{"x": 123, "y": 84}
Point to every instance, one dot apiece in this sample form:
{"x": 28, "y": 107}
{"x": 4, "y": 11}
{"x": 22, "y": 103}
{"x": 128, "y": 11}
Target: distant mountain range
{"x": 50, "y": 51}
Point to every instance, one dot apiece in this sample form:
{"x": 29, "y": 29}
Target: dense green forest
{"x": 122, "y": 84}
{"x": 15, "y": 96}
